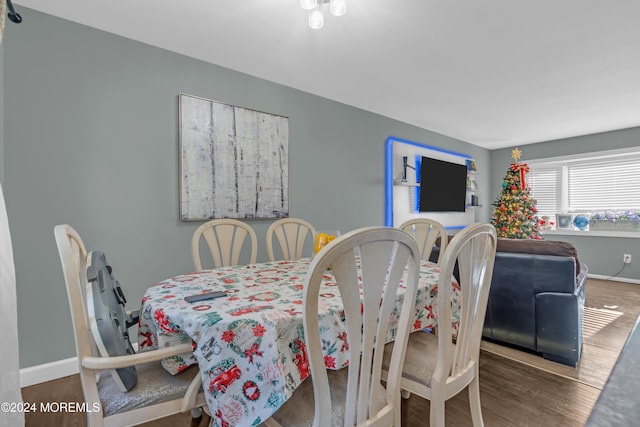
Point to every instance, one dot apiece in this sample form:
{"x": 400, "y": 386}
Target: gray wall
{"x": 90, "y": 139}
{"x": 603, "y": 255}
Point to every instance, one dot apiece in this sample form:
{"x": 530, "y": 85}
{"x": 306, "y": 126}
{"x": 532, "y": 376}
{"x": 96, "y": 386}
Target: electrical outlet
{"x": 626, "y": 258}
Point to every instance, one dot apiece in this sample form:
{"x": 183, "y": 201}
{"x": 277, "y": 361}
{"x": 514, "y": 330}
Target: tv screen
{"x": 443, "y": 186}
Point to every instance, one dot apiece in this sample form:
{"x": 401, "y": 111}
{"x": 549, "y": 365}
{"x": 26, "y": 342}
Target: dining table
{"x": 249, "y": 344}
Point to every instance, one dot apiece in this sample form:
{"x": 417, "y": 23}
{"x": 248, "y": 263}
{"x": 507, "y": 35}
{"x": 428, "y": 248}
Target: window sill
{"x": 599, "y": 233}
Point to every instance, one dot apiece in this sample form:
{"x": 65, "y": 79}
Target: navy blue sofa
{"x": 536, "y": 300}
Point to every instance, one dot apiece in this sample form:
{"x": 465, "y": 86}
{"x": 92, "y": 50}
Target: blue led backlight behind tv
{"x": 411, "y": 147}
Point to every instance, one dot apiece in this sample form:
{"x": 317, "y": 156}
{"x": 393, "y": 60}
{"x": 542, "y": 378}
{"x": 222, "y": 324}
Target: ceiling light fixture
{"x": 316, "y": 15}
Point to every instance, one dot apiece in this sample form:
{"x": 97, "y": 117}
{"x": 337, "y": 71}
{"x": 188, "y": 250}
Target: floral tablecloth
{"x": 250, "y": 344}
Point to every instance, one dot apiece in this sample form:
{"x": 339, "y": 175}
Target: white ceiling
{"x": 495, "y": 73}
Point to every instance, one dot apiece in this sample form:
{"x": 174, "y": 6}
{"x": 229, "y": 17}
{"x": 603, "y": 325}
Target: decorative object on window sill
{"x": 581, "y": 222}
{"x": 546, "y": 223}
{"x": 615, "y": 221}
{"x": 563, "y": 221}
{"x": 316, "y": 15}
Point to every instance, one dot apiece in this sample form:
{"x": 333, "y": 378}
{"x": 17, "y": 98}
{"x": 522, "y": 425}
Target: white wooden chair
{"x": 225, "y": 239}
{"x": 375, "y": 258}
{"x": 426, "y": 232}
{"x": 157, "y": 393}
{"x": 291, "y": 234}
{"x": 437, "y": 367}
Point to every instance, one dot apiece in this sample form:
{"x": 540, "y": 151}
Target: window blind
{"x": 611, "y": 182}
{"x": 546, "y": 187}
{"x": 608, "y": 184}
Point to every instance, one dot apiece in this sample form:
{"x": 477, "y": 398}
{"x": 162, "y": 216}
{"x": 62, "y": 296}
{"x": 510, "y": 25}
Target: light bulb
{"x": 338, "y": 7}
{"x": 316, "y": 18}
{"x": 308, "y": 4}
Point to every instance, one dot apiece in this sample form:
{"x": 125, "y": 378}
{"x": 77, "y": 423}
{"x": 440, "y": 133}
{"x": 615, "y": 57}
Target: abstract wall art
{"x": 233, "y": 161}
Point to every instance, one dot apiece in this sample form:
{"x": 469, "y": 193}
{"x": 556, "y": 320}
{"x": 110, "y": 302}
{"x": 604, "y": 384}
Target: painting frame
{"x": 234, "y": 161}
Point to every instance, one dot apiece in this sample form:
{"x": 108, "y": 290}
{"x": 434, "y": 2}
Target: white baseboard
{"x": 613, "y": 279}
{"x": 51, "y": 371}
{"x": 48, "y": 371}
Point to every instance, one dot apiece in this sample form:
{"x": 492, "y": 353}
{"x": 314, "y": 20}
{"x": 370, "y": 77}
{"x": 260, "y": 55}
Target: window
{"x": 611, "y": 184}
{"x": 608, "y": 182}
{"x": 546, "y": 187}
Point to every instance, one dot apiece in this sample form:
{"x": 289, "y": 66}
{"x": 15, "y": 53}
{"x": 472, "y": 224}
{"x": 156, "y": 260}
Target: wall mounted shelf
{"x": 407, "y": 184}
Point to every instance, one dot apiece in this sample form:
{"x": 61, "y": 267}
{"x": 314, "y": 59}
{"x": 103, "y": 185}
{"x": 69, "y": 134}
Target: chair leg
{"x": 197, "y": 418}
{"x": 208, "y": 418}
{"x": 436, "y": 414}
{"x": 474, "y": 402}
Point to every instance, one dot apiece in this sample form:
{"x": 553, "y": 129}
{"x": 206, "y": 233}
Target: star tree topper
{"x": 516, "y": 153}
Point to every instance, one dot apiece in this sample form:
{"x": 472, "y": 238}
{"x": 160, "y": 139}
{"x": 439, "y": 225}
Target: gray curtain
{"x": 3, "y": 13}
{"x": 10, "y": 371}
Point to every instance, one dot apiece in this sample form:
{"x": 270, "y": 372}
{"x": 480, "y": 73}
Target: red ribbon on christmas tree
{"x": 523, "y": 168}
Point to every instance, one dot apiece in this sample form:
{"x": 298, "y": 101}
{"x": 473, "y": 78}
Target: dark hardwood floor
{"x": 512, "y": 394}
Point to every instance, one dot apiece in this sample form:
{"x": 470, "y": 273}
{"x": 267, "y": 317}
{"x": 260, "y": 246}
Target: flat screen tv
{"x": 443, "y": 186}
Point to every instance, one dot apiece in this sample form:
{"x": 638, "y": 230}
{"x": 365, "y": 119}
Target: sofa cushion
{"x": 539, "y": 247}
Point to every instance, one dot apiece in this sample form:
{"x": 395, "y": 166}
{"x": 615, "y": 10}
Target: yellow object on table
{"x": 322, "y": 239}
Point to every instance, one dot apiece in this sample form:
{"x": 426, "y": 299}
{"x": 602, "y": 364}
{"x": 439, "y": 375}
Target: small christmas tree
{"x": 515, "y": 211}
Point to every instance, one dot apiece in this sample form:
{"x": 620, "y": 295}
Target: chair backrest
{"x": 73, "y": 255}
{"x": 225, "y": 239}
{"x": 291, "y": 234}
{"x": 473, "y": 250}
{"x": 372, "y": 261}
{"x": 426, "y": 231}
